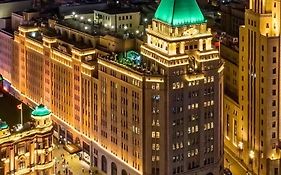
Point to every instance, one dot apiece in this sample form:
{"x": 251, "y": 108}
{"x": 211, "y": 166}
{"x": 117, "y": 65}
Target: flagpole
{"x": 21, "y": 119}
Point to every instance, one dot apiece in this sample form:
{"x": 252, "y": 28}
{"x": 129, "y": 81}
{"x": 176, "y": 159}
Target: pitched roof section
{"x": 179, "y": 12}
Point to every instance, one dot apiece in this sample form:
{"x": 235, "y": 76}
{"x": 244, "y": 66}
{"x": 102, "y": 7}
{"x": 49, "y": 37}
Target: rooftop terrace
{"x": 130, "y": 60}
{"x": 10, "y": 114}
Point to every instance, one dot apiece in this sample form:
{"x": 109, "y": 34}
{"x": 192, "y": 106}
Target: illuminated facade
{"x": 28, "y": 150}
{"x": 254, "y": 134}
{"x": 153, "y": 113}
{"x": 118, "y": 19}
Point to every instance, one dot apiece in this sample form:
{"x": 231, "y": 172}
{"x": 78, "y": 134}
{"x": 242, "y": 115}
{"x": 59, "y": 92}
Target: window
{"x": 274, "y": 49}
{"x": 273, "y": 124}
{"x": 274, "y": 71}
{"x": 273, "y": 102}
{"x": 273, "y": 81}
{"x": 274, "y": 92}
{"x": 262, "y": 48}
{"x": 274, "y": 60}
{"x": 273, "y": 113}
{"x": 273, "y": 135}
{"x": 275, "y": 169}
{"x": 267, "y": 25}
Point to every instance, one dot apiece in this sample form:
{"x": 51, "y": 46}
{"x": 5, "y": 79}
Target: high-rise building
{"x": 28, "y": 149}
{"x": 154, "y": 112}
{"x": 254, "y": 134}
{"x": 179, "y": 49}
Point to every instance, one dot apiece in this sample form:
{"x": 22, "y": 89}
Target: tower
{"x": 187, "y": 114}
{"x": 4, "y": 129}
{"x": 259, "y": 99}
{"x": 41, "y": 115}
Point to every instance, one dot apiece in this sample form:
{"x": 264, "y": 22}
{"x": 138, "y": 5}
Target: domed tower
{"x": 4, "y": 129}
{"x": 42, "y": 116}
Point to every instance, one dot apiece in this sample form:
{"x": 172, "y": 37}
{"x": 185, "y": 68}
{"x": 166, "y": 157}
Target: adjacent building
{"x": 154, "y": 112}
{"x": 118, "y": 19}
{"x": 28, "y": 149}
{"x": 255, "y": 131}
{"x": 232, "y": 17}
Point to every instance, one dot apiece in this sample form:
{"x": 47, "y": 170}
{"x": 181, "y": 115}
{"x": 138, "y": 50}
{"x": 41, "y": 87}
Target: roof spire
{"x": 179, "y": 12}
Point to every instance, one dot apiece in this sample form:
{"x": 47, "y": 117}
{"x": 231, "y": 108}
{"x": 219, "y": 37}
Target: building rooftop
{"x": 9, "y": 112}
{"x": 118, "y": 10}
{"x": 130, "y": 60}
{"x": 179, "y": 12}
{"x": 9, "y": 1}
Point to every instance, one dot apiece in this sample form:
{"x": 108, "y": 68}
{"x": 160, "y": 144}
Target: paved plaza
{"x": 70, "y": 164}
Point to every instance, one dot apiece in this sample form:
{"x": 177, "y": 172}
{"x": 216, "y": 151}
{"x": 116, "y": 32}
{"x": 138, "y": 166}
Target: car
{"x": 227, "y": 171}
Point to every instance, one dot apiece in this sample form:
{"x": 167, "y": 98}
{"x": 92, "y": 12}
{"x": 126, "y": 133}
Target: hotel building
{"x": 253, "y": 133}
{"x": 155, "y": 112}
{"x": 28, "y": 149}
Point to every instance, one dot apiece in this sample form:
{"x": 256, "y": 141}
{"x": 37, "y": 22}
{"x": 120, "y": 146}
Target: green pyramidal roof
{"x": 40, "y": 111}
{"x": 179, "y": 12}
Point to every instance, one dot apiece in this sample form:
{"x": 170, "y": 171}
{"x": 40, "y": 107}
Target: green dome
{"x": 3, "y": 125}
{"x": 179, "y": 12}
{"x": 40, "y": 111}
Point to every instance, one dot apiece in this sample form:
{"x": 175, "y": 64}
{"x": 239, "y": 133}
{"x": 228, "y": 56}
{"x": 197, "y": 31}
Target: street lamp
{"x": 73, "y": 13}
{"x": 252, "y": 154}
{"x": 240, "y": 148}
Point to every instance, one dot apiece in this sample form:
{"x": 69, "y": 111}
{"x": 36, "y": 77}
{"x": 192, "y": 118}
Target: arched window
{"x": 103, "y": 164}
{"x": 113, "y": 169}
{"x": 22, "y": 163}
{"x": 124, "y": 172}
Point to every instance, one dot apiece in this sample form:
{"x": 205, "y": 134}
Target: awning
{"x": 72, "y": 148}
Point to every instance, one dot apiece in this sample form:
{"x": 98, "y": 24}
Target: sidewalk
{"x": 235, "y": 164}
{"x": 67, "y": 164}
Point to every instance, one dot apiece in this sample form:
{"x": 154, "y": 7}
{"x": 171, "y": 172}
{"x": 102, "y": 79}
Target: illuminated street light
{"x": 137, "y": 31}
{"x": 86, "y": 27}
{"x": 252, "y": 154}
{"x": 89, "y": 20}
{"x": 73, "y": 13}
{"x": 240, "y": 145}
{"x": 145, "y": 19}
{"x": 105, "y": 25}
{"x": 75, "y": 16}
{"x": 125, "y": 27}
{"x": 112, "y": 27}
{"x": 82, "y": 17}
